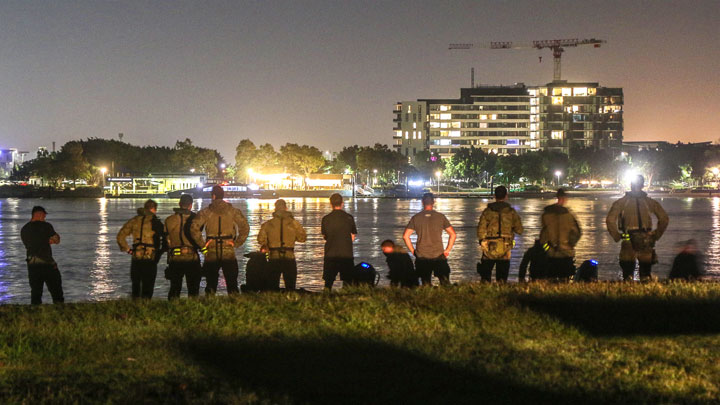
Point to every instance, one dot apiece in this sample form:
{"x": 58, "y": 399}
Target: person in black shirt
{"x": 686, "y": 265}
{"x": 402, "y": 271}
{"x": 338, "y": 229}
{"x": 37, "y": 236}
{"x": 537, "y": 259}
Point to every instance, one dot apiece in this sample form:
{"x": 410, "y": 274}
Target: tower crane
{"x": 557, "y": 45}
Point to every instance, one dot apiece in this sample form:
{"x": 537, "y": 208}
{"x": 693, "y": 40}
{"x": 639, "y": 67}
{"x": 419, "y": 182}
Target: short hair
{"x": 218, "y": 192}
{"x": 186, "y": 200}
{"x": 387, "y": 243}
{"x": 280, "y": 204}
{"x": 38, "y": 208}
{"x": 428, "y": 199}
{"x": 500, "y": 192}
{"x": 336, "y": 200}
{"x": 561, "y": 193}
{"x": 150, "y": 205}
{"x": 638, "y": 181}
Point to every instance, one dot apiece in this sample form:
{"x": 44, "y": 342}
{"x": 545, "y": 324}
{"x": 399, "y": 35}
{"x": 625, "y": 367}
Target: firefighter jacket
{"x": 148, "y": 235}
{"x": 225, "y": 229}
{"x": 560, "y": 231}
{"x": 632, "y": 213}
{"x": 280, "y": 234}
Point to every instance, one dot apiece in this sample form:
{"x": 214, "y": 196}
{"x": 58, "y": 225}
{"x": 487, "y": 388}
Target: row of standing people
{"x": 217, "y": 230}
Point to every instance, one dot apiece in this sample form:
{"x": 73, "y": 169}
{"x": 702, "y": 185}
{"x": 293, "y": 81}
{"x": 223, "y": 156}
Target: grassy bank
{"x": 540, "y": 344}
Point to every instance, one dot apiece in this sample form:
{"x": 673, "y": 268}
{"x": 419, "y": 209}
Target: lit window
{"x": 483, "y": 117}
{"x": 443, "y": 142}
{"x": 533, "y": 92}
{"x": 419, "y": 134}
{"x": 482, "y": 125}
{"x": 592, "y": 92}
{"x": 445, "y": 116}
{"x": 407, "y": 135}
{"x": 414, "y": 125}
{"x": 543, "y": 91}
{"x": 556, "y": 134}
{"x": 494, "y": 116}
{"x": 533, "y": 127}
{"x": 483, "y": 142}
{"x": 409, "y": 108}
{"x": 576, "y": 108}
{"x": 557, "y": 91}
{"x": 414, "y": 135}
{"x": 567, "y": 91}
{"x": 443, "y": 108}
{"x": 435, "y": 116}
{"x": 455, "y": 133}
{"x": 557, "y": 100}
{"x": 398, "y": 134}
{"x": 580, "y": 91}
{"x": 533, "y": 135}
{"x": 513, "y": 142}
{"x": 434, "y": 125}
{"x": 533, "y": 101}
{"x": 534, "y": 110}
{"x": 455, "y": 125}
{"x": 533, "y": 118}
{"x": 444, "y": 125}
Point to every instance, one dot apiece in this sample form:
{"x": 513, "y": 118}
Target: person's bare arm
{"x": 353, "y": 236}
{"x": 408, "y": 242}
{"x": 451, "y": 241}
{"x": 55, "y": 239}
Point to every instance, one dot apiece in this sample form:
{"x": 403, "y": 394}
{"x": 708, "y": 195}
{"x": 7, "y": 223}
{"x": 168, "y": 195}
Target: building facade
{"x": 511, "y": 120}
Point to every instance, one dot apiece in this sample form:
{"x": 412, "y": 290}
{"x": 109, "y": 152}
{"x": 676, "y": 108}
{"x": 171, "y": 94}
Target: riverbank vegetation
{"x": 670, "y": 165}
{"x": 601, "y": 343}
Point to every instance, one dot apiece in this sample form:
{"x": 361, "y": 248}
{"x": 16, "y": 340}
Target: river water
{"x": 93, "y": 268}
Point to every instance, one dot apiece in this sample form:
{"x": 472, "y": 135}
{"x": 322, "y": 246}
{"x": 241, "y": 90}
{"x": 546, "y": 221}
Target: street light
{"x": 375, "y": 178}
{"x": 438, "y": 174}
{"x": 558, "y": 173}
{"x": 103, "y": 170}
{"x": 192, "y": 170}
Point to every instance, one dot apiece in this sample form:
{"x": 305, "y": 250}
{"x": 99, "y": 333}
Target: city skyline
{"x": 329, "y": 73}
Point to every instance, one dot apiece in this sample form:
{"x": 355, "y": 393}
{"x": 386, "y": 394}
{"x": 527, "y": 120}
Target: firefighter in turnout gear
{"x": 280, "y": 234}
{"x": 559, "y": 234}
{"x": 183, "y": 258}
{"x": 630, "y": 221}
{"x": 149, "y": 243}
{"x": 496, "y": 231}
{"x": 225, "y": 230}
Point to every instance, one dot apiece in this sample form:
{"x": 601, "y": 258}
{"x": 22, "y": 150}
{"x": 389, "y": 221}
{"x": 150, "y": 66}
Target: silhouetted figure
{"x": 587, "y": 272}
{"x": 339, "y": 231}
{"x": 280, "y": 234}
{"x": 258, "y": 274}
{"x": 149, "y": 243}
{"x": 431, "y": 256}
{"x": 37, "y": 236}
{"x": 226, "y": 229}
{"x": 559, "y": 235}
{"x": 686, "y": 265}
{"x": 536, "y": 258}
{"x": 630, "y": 220}
{"x": 183, "y": 258}
{"x": 402, "y": 271}
{"x": 496, "y": 230}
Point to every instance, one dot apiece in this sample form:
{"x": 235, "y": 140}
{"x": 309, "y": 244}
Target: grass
{"x": 602, "y": 343}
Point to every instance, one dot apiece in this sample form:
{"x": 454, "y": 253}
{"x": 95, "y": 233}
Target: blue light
{"x": 594, "y": 262}
{"x": 364, "y": 265}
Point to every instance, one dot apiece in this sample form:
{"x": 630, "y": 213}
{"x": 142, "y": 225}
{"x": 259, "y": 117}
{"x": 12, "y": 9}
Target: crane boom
{"x": 557, "y": 46}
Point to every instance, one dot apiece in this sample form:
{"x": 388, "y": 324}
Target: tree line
{"x": 686, "y": 164}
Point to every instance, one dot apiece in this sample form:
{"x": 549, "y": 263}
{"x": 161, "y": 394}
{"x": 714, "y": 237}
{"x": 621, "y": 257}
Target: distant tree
{"x": 245, "y": 154}
{"x": 72, "y": 164}
{"x": 303, "y": 160}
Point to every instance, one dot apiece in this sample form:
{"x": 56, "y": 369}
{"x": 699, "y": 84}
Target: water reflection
{"x": 102, "y": 284}
{"x": 93, "y": 268}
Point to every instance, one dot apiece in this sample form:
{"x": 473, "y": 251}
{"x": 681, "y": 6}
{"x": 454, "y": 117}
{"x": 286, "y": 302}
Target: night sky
{"x": 328, "y": 73}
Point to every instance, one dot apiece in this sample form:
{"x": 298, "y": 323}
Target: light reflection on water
{"x": 93, "y": 267}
